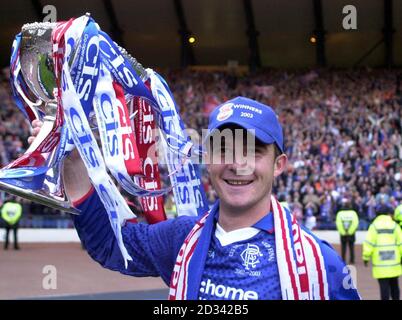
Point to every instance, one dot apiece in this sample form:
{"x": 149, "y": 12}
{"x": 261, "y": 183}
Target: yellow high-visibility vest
{"x": 347, "y": 222}
{"x": 398, "y": 215}
{"x": 11, "y": 212}
{"x": 383, "y": 245}
{"x": 171, "y": 211}
{"x": 285, "y": 204}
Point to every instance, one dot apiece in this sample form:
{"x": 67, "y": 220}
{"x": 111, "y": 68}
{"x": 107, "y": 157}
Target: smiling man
{"x": 245, "y": 148}
{"x": 246, "y": 247}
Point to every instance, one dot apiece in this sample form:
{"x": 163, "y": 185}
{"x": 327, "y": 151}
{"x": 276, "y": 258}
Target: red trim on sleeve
{"x": 84, "y": 197}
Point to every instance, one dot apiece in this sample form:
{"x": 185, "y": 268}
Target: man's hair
{"x": 346, "y": 204}
{"x": 384, "y": 209}
{"x": 278, "y": 152}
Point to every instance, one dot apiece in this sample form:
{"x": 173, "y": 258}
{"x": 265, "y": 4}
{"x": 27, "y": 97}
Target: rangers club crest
{"x": 250, "y": 256}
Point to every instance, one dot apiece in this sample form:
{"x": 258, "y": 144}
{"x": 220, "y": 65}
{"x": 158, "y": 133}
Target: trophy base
{"x": 40, "y": 197}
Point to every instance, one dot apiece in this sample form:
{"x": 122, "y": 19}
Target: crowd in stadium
{"x": 343, "y": 131}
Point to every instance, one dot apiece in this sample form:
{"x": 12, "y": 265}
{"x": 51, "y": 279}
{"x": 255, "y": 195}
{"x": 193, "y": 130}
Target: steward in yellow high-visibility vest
{"x": 11, "y": 212}
{"x": 285, "y": 204}
{"x": 383, "y": 245}
{"x": 170, "y": 207}
{"x": 398, "y": 215}
{"x": 347, "y": 222}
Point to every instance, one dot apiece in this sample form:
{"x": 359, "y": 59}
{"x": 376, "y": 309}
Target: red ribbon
{"x": 144, "y": 124}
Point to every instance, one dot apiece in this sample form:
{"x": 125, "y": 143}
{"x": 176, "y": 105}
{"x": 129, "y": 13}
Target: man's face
{"x": 241, "y": 184}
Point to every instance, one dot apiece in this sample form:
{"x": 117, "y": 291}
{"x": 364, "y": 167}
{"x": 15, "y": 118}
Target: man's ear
{"x": 280, "y": 164}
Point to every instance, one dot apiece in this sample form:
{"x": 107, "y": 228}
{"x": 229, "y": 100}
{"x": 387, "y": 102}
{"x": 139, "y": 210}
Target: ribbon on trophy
{"x": 145, "y": 132}
{"x": 77, "y": 75}
{"x": 184, "y": 175}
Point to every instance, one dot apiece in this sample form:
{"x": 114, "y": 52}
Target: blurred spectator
{"x": 382, "y": 247}
{"x": 11, "y": 212}
{"x": 347, "y": 222}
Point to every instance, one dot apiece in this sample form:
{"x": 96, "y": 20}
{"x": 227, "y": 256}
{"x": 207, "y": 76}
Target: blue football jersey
{"x": 241, "y": 270}
{"x": 245, "y": 269}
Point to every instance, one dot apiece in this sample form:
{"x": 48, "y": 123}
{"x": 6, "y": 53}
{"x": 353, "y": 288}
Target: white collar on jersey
{"x": 226, "y": 238}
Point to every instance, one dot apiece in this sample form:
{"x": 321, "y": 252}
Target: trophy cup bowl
{"x": 36, "y": 60}
{"x": 37, "y": 71}
{"x": 39, "y": 82}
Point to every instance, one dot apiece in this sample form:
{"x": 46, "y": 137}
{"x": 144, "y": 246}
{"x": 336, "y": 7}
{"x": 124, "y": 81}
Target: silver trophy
{"x": 38, "y": 79}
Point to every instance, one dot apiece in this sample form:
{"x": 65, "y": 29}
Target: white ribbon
{"x": 115, "y": 205}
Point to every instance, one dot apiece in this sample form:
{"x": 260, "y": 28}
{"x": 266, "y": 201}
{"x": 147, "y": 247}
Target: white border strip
{"x": 70, "y": 235}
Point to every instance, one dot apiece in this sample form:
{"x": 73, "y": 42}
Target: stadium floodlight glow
{"x": 191, "y": 39}
{"x": 313, "y": 39}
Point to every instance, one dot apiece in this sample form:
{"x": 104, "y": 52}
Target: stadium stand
{"x": 343, "y": 129}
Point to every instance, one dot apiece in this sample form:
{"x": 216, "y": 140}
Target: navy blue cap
{"x": 249, "y": 114}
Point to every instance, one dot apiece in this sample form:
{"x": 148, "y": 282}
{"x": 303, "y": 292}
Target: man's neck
{"x": 231, "y": 218}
